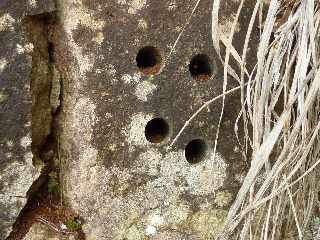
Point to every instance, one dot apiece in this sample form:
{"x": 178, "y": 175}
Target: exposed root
{"x": 46, "y": 208}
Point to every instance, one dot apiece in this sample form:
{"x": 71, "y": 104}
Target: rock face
{"x": 126, "y": 98}
{"x": 17, "y": 172}
{"x": 127, "y": 88}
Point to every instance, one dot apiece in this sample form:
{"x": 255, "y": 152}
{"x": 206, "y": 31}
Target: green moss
{"x": 54, "y": 188}
{"x": 53, "y": 185}
{"x": 74, "y": 224}
{"x": 223, "y": 199}
{"x": 208, "y": 223}
{"x": 37, "y": 162}
{"x": 316, "y": 221}
{"x": 135, "y": 232}
{"x": 3, "y": 97}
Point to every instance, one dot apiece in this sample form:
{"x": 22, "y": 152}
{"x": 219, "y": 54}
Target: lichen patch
{"x": 99, "y": 38}
{"x": 81, "y": 15}
{"x": 176, "y": 214}
{"x": 85, "y": 62}
{"x": 202, "y": 179}
{"x": 145, "y": 198}
{"x": 208, "y": 223}
{"x": 122, "y": 2}
{"x": 3, "y": 97}
{"x": 33, "y": 3}
{"x": 26, "y": 141}
{"x": 131, "y": 79}
{"x": 223, "y": 199}
{"x": 142, "y": 24}
{"x": 28, "y": 48}
{"x": 149, "y": 162}
{"x": 21, "y": 175}
{"x": 6, "y": 22}
{"x": 135, "y": 131}
{"x": 136, "y": 5}
{"x": 78, "y": 15}
{"x": 151, "y": 230}
{"x": 83, "y": 118}
{"x": 144, "y": 89}
{"x": 156, "y": 219}
{"x": 22, "y": 181}
{"x": 3, "y": 64}
{"x": 172, "y": 5}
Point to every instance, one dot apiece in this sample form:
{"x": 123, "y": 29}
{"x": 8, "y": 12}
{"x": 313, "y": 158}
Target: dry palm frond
{"x": 280, "y": 105}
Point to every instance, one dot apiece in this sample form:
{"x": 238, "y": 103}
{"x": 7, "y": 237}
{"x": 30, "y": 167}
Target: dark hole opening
{"x": 196, "y": 151}
{"x": 51, "y": 52}
{"x": 149, "y": 60}
{"x": 156, "y": 130}
{"x": 200, "y": 67}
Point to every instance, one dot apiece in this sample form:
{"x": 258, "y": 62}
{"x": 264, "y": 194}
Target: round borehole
{"x": 156, "y": 130}
{"x": 200, "y": 67}
{"x": 196, "y": 151}
{"x": 149, "y": 60}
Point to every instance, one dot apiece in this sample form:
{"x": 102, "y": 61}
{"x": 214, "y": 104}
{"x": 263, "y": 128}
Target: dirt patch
{"x": 151, "y": 70}
{"x": 202, "y": 77}
{"x": 46, "y": 208}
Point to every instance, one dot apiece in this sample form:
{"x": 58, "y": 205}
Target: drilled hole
{"x": 156, "y": 130}
{"x": 149, "y": 60}
{"x": 200, "y": 67}
{"x": 196, "y": 151}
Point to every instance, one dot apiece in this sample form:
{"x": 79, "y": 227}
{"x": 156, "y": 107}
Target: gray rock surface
{"x": 122, "y": 185}
{"x": 17, "y": 172}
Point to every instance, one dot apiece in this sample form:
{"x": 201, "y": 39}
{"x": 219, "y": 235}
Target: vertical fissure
{"x": 44, "y": 198}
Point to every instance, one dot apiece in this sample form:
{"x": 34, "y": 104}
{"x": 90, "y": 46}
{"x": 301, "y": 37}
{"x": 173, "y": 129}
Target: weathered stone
{"x": 117, "y": 171}
{"x": 17, "y": 172}
{"x": 124, "y": 186}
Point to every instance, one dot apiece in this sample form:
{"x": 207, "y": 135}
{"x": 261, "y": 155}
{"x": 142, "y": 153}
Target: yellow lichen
{"x": 223, "y": 199}
{"x": 208, "y": 223}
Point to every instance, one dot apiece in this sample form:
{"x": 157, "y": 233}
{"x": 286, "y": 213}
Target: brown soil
{"x": 202, "y": 77}
{"x": 44, "y": 207}
{"x": 151, "y": 70}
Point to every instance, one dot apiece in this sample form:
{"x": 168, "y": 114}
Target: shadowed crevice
{"x": 45, "y": 196}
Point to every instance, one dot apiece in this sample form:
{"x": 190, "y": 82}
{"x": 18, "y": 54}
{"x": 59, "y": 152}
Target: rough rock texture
{"x": 17, "y": 172}
{"x": 123, "y": 186}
